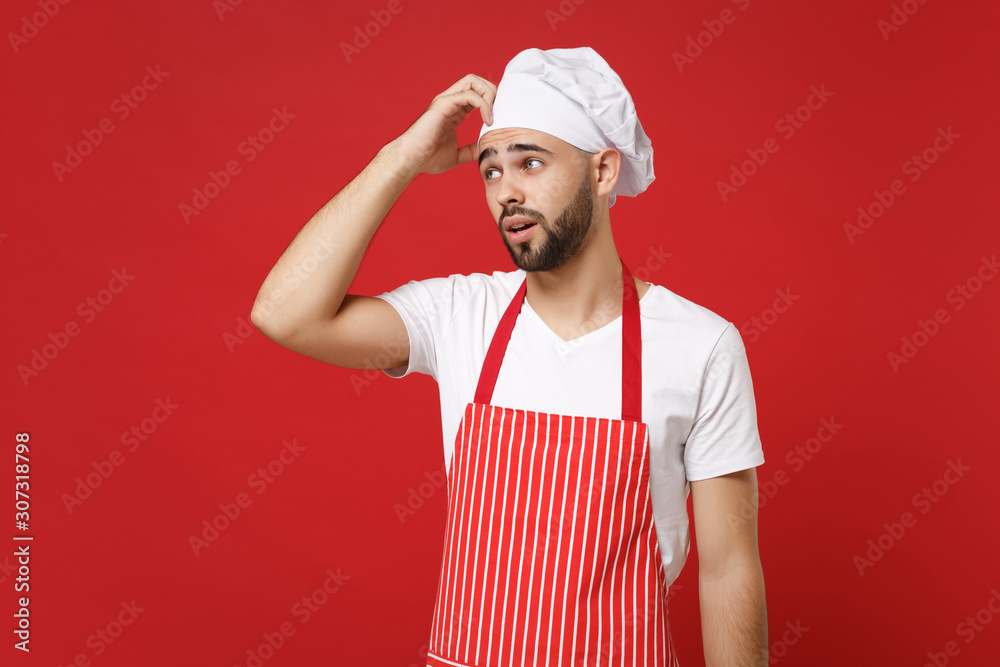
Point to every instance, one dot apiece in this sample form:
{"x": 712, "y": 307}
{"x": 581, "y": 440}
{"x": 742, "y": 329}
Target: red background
{"x": 178, "y": 331}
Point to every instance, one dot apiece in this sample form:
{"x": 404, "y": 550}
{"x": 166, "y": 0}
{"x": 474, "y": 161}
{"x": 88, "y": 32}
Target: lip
{"x": 518, "y": 237}
{"x": 516, "y": 220}
{"x": 521, "y": 236}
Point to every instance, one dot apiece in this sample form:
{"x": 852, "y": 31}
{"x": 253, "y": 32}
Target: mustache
{"x": 522, "y": 211}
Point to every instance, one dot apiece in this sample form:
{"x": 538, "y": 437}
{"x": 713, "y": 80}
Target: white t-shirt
{"x": 697, "y": 395}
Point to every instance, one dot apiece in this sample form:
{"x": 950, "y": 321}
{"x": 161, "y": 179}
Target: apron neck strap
{"x": 631, "y": 349}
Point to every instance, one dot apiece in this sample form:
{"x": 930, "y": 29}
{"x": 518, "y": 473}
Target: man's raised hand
{"x": 430, "y": 145}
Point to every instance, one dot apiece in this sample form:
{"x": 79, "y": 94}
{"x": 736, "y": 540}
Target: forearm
{"x": 734, "y": 616}
{"x": 310, "y": 279}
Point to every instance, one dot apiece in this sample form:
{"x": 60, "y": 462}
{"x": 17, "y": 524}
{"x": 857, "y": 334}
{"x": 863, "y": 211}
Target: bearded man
{"x": 580, "y": 405}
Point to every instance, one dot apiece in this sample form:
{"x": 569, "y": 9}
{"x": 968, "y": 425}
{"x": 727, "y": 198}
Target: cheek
{"x": 496, "y": 210}
{"x": 491, "y": 196}
{"x": 553, "y": 192}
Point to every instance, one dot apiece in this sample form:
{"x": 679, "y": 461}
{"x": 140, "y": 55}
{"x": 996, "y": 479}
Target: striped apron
{"x": 550, "y": 555}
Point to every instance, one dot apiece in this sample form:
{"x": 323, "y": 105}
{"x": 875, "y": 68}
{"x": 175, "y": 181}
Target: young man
{"x": 580, "y": 405}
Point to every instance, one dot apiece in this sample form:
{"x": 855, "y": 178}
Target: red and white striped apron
{"x": 551, "y": 555}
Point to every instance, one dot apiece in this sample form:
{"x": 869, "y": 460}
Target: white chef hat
{"x": 574, "y": 95}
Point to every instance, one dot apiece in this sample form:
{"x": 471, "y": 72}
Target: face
{"x": 539, "y": 191}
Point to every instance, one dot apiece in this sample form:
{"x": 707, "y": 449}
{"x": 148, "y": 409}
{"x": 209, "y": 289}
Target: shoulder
{"x": 662, "y": 304}
{"x": 447, "y": 295}
{"x": 496, "y": 281}
{"x": 471, "y": 285}
{"x": 689, "y": 328}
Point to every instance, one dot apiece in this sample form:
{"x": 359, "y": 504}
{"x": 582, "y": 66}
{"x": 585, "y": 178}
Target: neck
{"x": 584, "y": 294}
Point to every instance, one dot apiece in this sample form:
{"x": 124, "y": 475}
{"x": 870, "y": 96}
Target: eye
{"x": 491, "y": 173}
{"x": 528, "y": 162}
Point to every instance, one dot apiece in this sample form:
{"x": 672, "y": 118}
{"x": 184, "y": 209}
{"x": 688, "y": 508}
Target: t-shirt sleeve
{"x": 426, "y": 306}
{"x": 724, "y": 436}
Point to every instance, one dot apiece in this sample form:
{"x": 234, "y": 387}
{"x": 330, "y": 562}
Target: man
{"x": 583, "y": 403}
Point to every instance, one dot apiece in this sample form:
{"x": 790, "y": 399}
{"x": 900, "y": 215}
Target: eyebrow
{"x": 514, "y": 148}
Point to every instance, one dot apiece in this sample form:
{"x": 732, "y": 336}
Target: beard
{"x": 563, "y": 239}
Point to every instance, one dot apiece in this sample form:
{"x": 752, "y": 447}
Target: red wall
{"x": 172, "y": 329}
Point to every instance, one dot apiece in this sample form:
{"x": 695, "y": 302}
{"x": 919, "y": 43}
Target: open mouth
{"x": 520, "y": 232}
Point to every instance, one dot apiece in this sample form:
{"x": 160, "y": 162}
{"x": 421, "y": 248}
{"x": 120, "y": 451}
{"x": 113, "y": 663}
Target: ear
{"x": 607, "y": 164}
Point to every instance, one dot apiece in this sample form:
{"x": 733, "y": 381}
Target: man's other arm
{"x": 314, "y": 315}
{"x": 730, "y": 578}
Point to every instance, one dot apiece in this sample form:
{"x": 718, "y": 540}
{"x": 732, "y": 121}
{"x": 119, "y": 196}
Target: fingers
{"x": 475, "y": 99}
{"x": 467, "y": 153}
{"x": 478, "y": 83}
{"x": 434, "y": 133}
{"x": 456, "y": 106}
{"x": 474, "y": 90}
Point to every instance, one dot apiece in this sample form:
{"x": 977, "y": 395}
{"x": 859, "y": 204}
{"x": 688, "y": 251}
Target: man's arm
{"x": 303, "y": 304}
{"x": 730, "y": 578}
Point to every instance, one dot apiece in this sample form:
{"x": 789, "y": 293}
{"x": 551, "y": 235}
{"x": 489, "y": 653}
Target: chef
{"x": 581, "y": 406}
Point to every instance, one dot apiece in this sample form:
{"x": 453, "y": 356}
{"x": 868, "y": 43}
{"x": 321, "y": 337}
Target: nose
{"x": 509, "y": 191}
